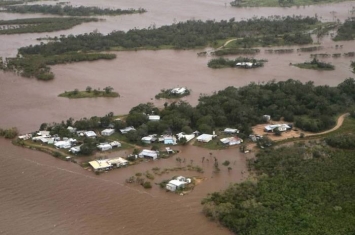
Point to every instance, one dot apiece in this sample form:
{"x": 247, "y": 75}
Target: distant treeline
{"x": 236, "y": 51}
{"x": 16, "y": 2}
{"x": 346, "y": 31}
{"x": 39, "y": 25}
{"x": 70, "y": 10}
{"x": 297, "y": 190}
{"x": 190, "y": 34}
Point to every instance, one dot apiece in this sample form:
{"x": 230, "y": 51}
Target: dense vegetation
{"x": 300, "y": 190}
{"x": 70, "y": 10}
{"x": 226, "y": 63}
{"x": 236, "y": 51}
{"x": 38, "y": 65}
{"x": 9, "y": 133}
{"x": 313, "y": 107}
{"x": 39, "y": 25}
{"x": 343, "y": 141}
{"x": 90, "y": 93}
{"x": 346, "y": 31}
{"x": 16, "y": 2}
{"x": 352, "y": 65}
{"x": 315, "y": 64}
{"x": 278, "y": 3}
{"x": 190, "y": 34}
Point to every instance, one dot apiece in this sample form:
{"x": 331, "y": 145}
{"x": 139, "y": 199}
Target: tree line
{"x": 70, "y": 10}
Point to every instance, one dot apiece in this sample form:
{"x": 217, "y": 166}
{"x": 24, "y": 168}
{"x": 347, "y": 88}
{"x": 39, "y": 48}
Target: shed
{"x": 107, "y": 132}
{"x": 205, "y": 138}
{"x": 148, "y": 154}
{"x": 169, "y": 140}
{"x": 75, "y": 149}
{"x": 118, "y": 162}
{"x": 178, "y": 90}
{"x": 127, "y": 129}
{"x": 231, "y": 131}
{"x": 115, "y": 144}
{"x": 231, "y": 140}
{"x": 149, "y": 139}
{"x": 71, "y": 129}
{"x": 153, "y": 117}
{"x": 188, "y": 137}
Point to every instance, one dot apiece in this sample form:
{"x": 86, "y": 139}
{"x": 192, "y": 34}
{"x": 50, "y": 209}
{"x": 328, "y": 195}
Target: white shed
{"x": 148, "y": 154}
{"x": 153, "y": 117}
{"x": 104, "y": 146}
{"x": 90, "y": 134}
{"x": 62, "y": 144}
{"x": 205, "y": 138}
{"x": 107, "y": 132}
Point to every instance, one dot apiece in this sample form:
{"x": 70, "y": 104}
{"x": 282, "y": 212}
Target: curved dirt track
{"x": 337, "y": 126}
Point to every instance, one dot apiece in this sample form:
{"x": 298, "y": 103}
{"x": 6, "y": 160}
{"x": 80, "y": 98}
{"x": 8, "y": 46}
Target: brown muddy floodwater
{"x": 42, "y": 195}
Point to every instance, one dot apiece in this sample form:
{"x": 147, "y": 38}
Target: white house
{"x": 281, "y": 127}
{"x": 107, "y": 132}
{"x": 153, "y": 117}
{"x": 25, "y": 137}
{"x": 127, "y": 129}
{"x": 178, "y": 183}
{"x": 117, "y": 162}
{"x": 205, "y": 138}
{"x": 62, "y": 144}
{"x": 104, "y": 146}
{"x": 44, "y": 133}
{"x": 90, "y": 134}
{"x": 188, "y": 137}
{"x": 178, "y": 90}
{"x": 148, "y": 154}
{"x": 99, "y": 165}
{"x": 115, "y": 144}
{"x": 75, "y": 149}
{"x": 231, "y": 131}
{"x": 149, "y": 139}
{"x": 231, "y": 140}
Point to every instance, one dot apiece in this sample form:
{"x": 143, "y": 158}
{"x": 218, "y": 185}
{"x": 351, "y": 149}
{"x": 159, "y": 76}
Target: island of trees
{"x": 39, "y": 25}
{"x": 173, "y": 93}
{"x": 315, "y": 64}
{"x": 190, "y": 34}
{"x": 15, "y": 2}
{"x": 90, "y": 93}
{"x": 58, "y": 9}
{"x": 239, "y": 62}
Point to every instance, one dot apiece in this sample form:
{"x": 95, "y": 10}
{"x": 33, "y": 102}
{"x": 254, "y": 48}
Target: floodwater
{"x": 42, "y": 195}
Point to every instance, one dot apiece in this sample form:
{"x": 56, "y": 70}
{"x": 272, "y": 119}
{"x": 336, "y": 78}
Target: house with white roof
{"x": 183, "y": 135}
{"x": 231, "y": 140}
{"x": 62, "y": 144}
{"x": 153, "y": 117}
{"x": 169, "y": 139}
{"x": 245, "y": 64}
{"x": 100, "y": 165}
{"x": 90, "y": 134}
{"x": 115, "y": 144}
{"x": 149, "y": 139}
{"x": 178, "y": 90}
{"x": 148, "y": 154}
{"x": 117, "y": 162}
{"x": 177, "y": 183}
{"x": 205, "y": 138}
{"x": 231, "y": 131}
{"x": 75, "y": 149}
{"x": 281, "y": 127}
{"x": 104, "y": 146}
{"x": 107, "y": 132}
{"x": 127, "y": 129}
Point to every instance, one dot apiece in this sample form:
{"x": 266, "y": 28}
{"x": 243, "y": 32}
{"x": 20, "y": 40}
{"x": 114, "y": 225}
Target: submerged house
{"x": 179, "y": 183}
{"x": 153, "y": 117}
{"x": 178, "y": 90}
{"x": 148, "y": 154}
{"x": 117, "y": 162}
{"x": 100, "y": 165}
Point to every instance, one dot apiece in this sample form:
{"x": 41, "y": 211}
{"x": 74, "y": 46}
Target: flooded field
{"x": 42, "y": 195}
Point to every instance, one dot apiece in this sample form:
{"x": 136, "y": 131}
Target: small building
{"x": 178, "y": 183}
{"x": 75, "y": 149}
{"x": 205, "y": 138}
{"x": 149, "y": 139}
{"x": 281, "y": 127}
{"x": 107, "y": 132}
{"x": 231, "y": 131}
{"x": 127, "y": 129}
{"x": 153, "y": 117}
{"x": 178, "y": 90}
{"x": 25, "y": 137}
{"x": 244, "y": 64}
{"x": 62, "y": 144}
{"x": 169, "y": 150}
{"x": 44, "y": 133}
{"x": 231, "y": 140}
{"x": 90, "y": 134}
{"x": 148, "y": 154}
{"x": 104, "y": 146}
{"x": 170, "y": 140}
{"x": 266, "y": 118}
{"x": 187, "y": 137}
{"x": 115, "y": 144}
{"x": 100, "y": 165}
{"x": 117, "y": 162}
